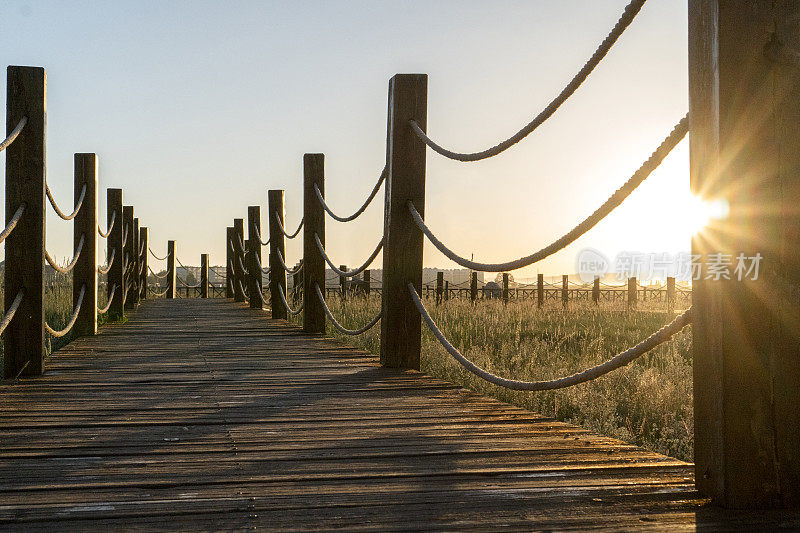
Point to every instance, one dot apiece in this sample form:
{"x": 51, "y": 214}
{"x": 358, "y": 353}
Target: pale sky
{"x": 197, "y": 108}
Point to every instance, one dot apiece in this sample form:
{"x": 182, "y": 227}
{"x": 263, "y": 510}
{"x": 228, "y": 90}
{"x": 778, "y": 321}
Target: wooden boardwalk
{"x": 204, "y": 414}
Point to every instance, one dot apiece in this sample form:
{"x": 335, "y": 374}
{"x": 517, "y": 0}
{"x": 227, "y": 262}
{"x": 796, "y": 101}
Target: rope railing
{"x": 241, "y": 288}
{"x": 58, "y": 211}
{"x": 164, "y": 275}
{"x": 104, "y": 310}
{"x": 11, "y": 310}
{"x": 676, "y": 135}
{"x": 619, "y": 360}
{"x": 286, "y": 303}
{"x": 162, "y": 293}
{"x": 155, "y": 256}
{"x": 348, "y": 273}
{"x": 125, "y": 237}
{"x": 214, "y": 270}
{"x": 12, "y": 223}
{"x": 337, "y": 325}
{"x": 105, "y": 269}
{"x": 14, "y": 133}
{"x": 630, "y": 12}
{"x": 61, "y": 333}
{"x": 110, "y": 226}
{"x": 66, "y": 269}
{"x": 288, "y": 270}
{"x": 258, "y": 237}
{"x": 293, "y": 235}
{"x": 258, "y": 262}
{"x": 361, "y": 209}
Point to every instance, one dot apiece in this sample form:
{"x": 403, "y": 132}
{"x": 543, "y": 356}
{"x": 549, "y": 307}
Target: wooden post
{"x": 439, "y": 287}
{"x": 564, "y": 290}
{"x": 24, "y": 247}
{"x": 402, "y": 252}
{"x": 505, "y": 287}
{"x": 203, "y": 275}
{"x": 229, "y": 270}
{"x": 744, "y": 102}
{"x": 539, "y": 290}
{"x": 170, "y": 270}
{"x": 343, "y": 283}
{"x": 254, "y": 251}
{"x": 314, "y": 224}
{"x": 276, "y": 245}
{"x": 127, "y": 253}
{"x": 116, "y": 274}
{"x": 238, "y": 260}
{"x": 473, "y": 286}
{"x": 144, "y": 240}
{"x": 632, "y": 296}
{"x": 596, "y": 290}
{"x": 135, "y": 260}
{"x": 367, "y": 282}
{"x": 446, "y": 290}
{"x": 670, "y": 294}
{"x": 85, "y": 226}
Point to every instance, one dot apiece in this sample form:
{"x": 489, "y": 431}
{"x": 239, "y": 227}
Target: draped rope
{"x": 55, "y": 205}
{"x": 361, "y": 209}
{"x": 286, "y": 304}
{"x": 288, "y": 270}
{"x": 336, "y": 324}
{"x": 11, "y": 310}
{"x": 71, "y": 264}
{"x": 105, "y": 269}
{"x": 14, "y": 133}
{"x": 154, "y": 255}
{"x": 110, "y": 226}
{"x": 631, "y": 10}
{"x": 72, "y": 320}
{"x": 280, "y": 225}
{"x": 348, "y": 273}
{"x": 619, "y": 360}
{"x": 104, "y": 310}
{"x": 12, "y": 223}
{"x": 679, "y": 131}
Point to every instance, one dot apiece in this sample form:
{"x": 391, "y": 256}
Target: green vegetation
{"x": 648, "y": 403}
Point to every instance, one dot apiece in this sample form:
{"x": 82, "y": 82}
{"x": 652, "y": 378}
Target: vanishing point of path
{"x": 205, "y": 414}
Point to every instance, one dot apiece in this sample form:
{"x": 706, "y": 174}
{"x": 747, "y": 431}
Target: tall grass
{"x": 648, "y": 403}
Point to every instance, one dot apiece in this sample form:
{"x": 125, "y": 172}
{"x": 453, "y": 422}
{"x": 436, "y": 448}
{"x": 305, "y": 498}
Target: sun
{"x": 699, "y": 212}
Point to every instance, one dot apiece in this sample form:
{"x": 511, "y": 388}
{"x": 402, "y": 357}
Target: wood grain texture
{"x": 85, "y": 225}
{"x": 206, "y": 415}
{"x": 277, "y": 274}
{"x": 116, "y": 275}
{"x": 313, "y": 262}
{"x": 25, "y": 159}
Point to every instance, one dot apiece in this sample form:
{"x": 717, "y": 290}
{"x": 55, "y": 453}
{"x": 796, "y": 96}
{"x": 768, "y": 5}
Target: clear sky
{"x": 197, "y": 108}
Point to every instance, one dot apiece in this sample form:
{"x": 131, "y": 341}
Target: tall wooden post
{"x": 744, "y": 103}
{"x": 116, "y": 275}
{"x": 127, "y": 253}
{"x": 539, "y": 290}
{"x": 203, "y": 275}
{"x": 238, "y": 260}
{"x": 632, "y": 296}
{"x": 473, "y": 286}
{"x": 170, "y": 270}
{"x": 253, "y": 252}
{"x": 564, "y": 290}
{"x": 446, "y": 290}
{"x": 402, "y": 252}
{"x": 144, "y": 240}
{"x": 24, "y": 247}
{"x": 439, "y": 287}
{"x": 276, "y": 244}
{"x": 367, "y": 282}
{"x": 136, "y": 262}
{"x": 596, "y": 290}
{"x": 229, "y": 270}
{"x": 85, "y": 226}
{"x": 505, "y": 287}
{"x": 343, "y": 283}
{"x": 670, "y": 294}
{"x": 313, "y": 263}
